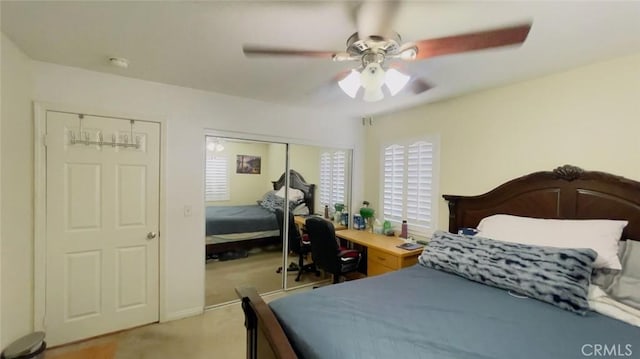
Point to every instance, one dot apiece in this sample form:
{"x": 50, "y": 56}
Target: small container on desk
{"x": 403, "y": 231}
{"x": 345, "y": 219}
{"x": 358, "y": 221}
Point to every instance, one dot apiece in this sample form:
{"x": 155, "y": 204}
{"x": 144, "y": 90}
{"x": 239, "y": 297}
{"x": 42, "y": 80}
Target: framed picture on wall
{"x": 248, "y": 164}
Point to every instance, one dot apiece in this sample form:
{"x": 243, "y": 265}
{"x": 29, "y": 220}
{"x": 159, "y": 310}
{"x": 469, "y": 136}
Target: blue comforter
{"x": 239, "y": 219}
{"x": 424, "y": 313}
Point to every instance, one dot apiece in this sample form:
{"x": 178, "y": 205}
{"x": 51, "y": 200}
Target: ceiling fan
{"x": 375, "y": 45}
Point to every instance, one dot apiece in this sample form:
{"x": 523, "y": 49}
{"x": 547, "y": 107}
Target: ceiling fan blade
{"x": 375, "y": 18}
{"x": 341, "y": 75}
{"x": 251, "y": 50}
{"x": 419, "y": 86}
{"x": 469, "y": 42}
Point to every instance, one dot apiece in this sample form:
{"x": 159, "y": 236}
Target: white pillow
{"x": 601, "y": 235}
{"x": 294, "y": 194}
{"x": 301, "y": 210}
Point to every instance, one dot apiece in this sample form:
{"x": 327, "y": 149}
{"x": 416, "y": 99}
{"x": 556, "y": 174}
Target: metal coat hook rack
{"x": 83, "y": 138}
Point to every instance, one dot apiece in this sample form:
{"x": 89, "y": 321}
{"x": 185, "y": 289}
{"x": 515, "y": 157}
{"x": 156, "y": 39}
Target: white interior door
{"x": 102, "y": 222}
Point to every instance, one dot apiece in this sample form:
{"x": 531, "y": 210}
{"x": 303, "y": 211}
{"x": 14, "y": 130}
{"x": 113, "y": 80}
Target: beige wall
{"x": 589, "y": 117}
{"x": 17, "y": 193}
{"x": 246, "y": 189}
{"x": 276, "y": 165}
{"x": 306, "y": 160}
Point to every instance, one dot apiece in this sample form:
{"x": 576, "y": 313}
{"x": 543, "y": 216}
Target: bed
{"x": 422, "y": 312}
{"x": 243, "y": 227}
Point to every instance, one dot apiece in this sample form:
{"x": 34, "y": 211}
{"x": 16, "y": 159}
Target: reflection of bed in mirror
{"x": 244, "y": 227}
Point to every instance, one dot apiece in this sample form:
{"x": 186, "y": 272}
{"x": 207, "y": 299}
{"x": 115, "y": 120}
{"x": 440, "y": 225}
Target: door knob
{"x": 151, "y": 235}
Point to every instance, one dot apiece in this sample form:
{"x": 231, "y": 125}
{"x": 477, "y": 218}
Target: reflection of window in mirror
{"x": 216, "y": 173}
{"x": 333, "y": 170}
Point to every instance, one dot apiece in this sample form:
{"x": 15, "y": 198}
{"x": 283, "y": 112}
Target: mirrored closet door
{"x": 243, "y": 237}
{"x": 251, "y": 239}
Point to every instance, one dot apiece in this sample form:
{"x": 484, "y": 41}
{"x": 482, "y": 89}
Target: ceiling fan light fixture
{"x": 372, "y": 77}
{"x": 214, "y": 145}
{"x": 373, "y": 95}
{"x": 395, "y": 81}
{"x": 350, "y": 84}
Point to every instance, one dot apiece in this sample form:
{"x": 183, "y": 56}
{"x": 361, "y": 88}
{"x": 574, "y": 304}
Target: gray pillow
{"x": 603, "y": 277}
{"x": 625, "y": 286}
{"x": 271, "y": 202}
{"x": 559, "y": 276}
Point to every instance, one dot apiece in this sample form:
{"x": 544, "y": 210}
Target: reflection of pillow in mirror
{"x": 301, "y": 210}
{"x": 294, "y": 194}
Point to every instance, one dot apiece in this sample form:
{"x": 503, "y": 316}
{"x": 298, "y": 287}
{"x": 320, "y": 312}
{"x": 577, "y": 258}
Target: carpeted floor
{"x": 257, "y": 270}
{"x": 218, "y": 333}
{"x": 101, "y": 350}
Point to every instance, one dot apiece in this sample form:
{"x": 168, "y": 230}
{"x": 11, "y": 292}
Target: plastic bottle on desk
{"x": 345, "y": 217}
{"x": 358, "y": 222}
{"x": 403, "y": 230}
{"x": 326, "y": 211}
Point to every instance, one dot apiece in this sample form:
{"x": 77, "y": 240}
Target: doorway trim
{"x": 40, "y": 110}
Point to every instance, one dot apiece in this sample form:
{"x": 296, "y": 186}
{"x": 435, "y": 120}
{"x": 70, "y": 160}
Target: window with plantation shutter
{"x": 325, "y": 178}
{"x": 409, "y": 186}
{"x": 338, "y": 177}
{"x": 333, "y": 174}
{"x": 216, "y": 175}
{"x": 419, "y": 183}
{"x": 393, "y": 182}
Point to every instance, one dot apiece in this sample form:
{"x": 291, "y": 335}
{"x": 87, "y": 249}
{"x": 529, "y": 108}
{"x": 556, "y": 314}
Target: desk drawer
{"x": 409, "y": 261}
{"x": 385, "y": 259}
{"x": 375, "y": 268}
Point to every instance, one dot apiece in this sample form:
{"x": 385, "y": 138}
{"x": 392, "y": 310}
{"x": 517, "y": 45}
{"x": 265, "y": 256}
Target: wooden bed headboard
{"x": 297, "y": 181}
{"x": 567, "y": 192}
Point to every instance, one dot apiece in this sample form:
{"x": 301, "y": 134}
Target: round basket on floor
{"x": 30, "y": 346}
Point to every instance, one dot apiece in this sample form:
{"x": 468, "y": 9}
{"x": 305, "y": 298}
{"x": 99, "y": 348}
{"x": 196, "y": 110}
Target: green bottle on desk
{"x": 386, "y": 228}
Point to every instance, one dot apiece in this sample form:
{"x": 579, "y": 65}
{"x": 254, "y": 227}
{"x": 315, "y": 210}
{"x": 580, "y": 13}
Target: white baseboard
{"x": 182, "y": 314}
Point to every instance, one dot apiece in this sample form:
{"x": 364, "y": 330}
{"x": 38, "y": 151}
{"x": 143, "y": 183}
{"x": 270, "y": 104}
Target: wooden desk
{"x": 382, "y": 254}
{"x": 301, "y": 220}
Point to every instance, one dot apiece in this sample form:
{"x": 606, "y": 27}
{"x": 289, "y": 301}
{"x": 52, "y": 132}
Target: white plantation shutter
{"x": 216, "y": 181}
{"x": 419, "y": 183}
{"x": 409, "y": 185}
{"x": 338, "y": 177}
{"x": 393, "y": 182}
{"x": 333, "y": 174}
{"x": 325, "y": 178}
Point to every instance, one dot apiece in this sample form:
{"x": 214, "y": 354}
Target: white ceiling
{"x": 199, "y": 44}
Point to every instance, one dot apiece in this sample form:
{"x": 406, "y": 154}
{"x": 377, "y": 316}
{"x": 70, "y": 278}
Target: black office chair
{"x": 297, "y": 244}
{"x": 326, "y": 250}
